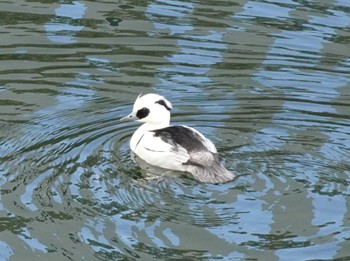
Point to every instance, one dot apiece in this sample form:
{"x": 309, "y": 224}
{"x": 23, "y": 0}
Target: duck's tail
{"x": 216, "y": 173}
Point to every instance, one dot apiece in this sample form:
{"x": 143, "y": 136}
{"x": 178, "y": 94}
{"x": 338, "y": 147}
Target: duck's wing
{"x": 179, "y": 145}
{"x": 206, "y": 142}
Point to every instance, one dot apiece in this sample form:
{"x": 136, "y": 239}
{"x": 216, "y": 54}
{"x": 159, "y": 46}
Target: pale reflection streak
{"x": 93, "y": 234}
{"x": 71, "y": 97}
{"x": 309, "y": 43}
{"x": 61, "y": 31}
{"x": 252, "y": 207}
{"x": 196, "y": 55}
{"x": 33, "y": 243}
{"x": 190, "y": 66}
{"x": 79, "y": 91}
{"x": 5, "y": 251}
{"x": 332, "y": 205}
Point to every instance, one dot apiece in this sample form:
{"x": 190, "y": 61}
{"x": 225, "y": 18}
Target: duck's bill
{"x": 130, "y": 117}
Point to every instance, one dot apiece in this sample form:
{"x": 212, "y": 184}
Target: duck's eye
{"x": 142, "y": 113}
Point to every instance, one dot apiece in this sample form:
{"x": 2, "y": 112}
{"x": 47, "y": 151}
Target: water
{"x": 266, "y": 81}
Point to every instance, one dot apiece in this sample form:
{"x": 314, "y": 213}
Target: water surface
{"x": 267, "y": 81}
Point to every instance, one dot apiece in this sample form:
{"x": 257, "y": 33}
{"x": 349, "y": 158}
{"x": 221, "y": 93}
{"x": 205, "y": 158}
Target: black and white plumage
{"x": 179, "y": 148}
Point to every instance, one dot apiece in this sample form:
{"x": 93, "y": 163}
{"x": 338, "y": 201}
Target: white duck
{"x": 178, "y": 148}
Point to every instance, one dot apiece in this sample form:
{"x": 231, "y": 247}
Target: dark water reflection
{"x": 267, "y": 81}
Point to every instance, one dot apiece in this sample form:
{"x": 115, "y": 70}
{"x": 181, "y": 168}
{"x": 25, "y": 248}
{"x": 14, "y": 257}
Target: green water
{"x": 267, "y": 81}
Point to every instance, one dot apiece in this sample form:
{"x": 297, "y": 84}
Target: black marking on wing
{"x": 153, "y": 150}
{"x": 139, "y": 141}
{"x": 182, "y": 136}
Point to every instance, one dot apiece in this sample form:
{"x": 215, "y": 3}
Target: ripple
{"x": 92, "y": 154}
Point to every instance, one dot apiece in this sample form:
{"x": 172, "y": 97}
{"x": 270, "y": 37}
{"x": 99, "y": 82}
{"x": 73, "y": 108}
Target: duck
{"x": 173, "y": 147}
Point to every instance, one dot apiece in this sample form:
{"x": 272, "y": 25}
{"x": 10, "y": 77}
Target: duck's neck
{"x": 144, "y": 128}
{"x": 154, "y": 126}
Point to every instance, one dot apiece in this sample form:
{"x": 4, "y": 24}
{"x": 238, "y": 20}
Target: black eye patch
{"x": 162, "y": 102}
{"x": 142, "y": 113}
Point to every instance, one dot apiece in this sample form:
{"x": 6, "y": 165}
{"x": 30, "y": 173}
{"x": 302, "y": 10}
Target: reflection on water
{"x": 63, "y": 27}
{"x": 266, "y": 81}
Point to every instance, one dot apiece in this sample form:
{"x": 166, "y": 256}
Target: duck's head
{"x": 150, "y": 108}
